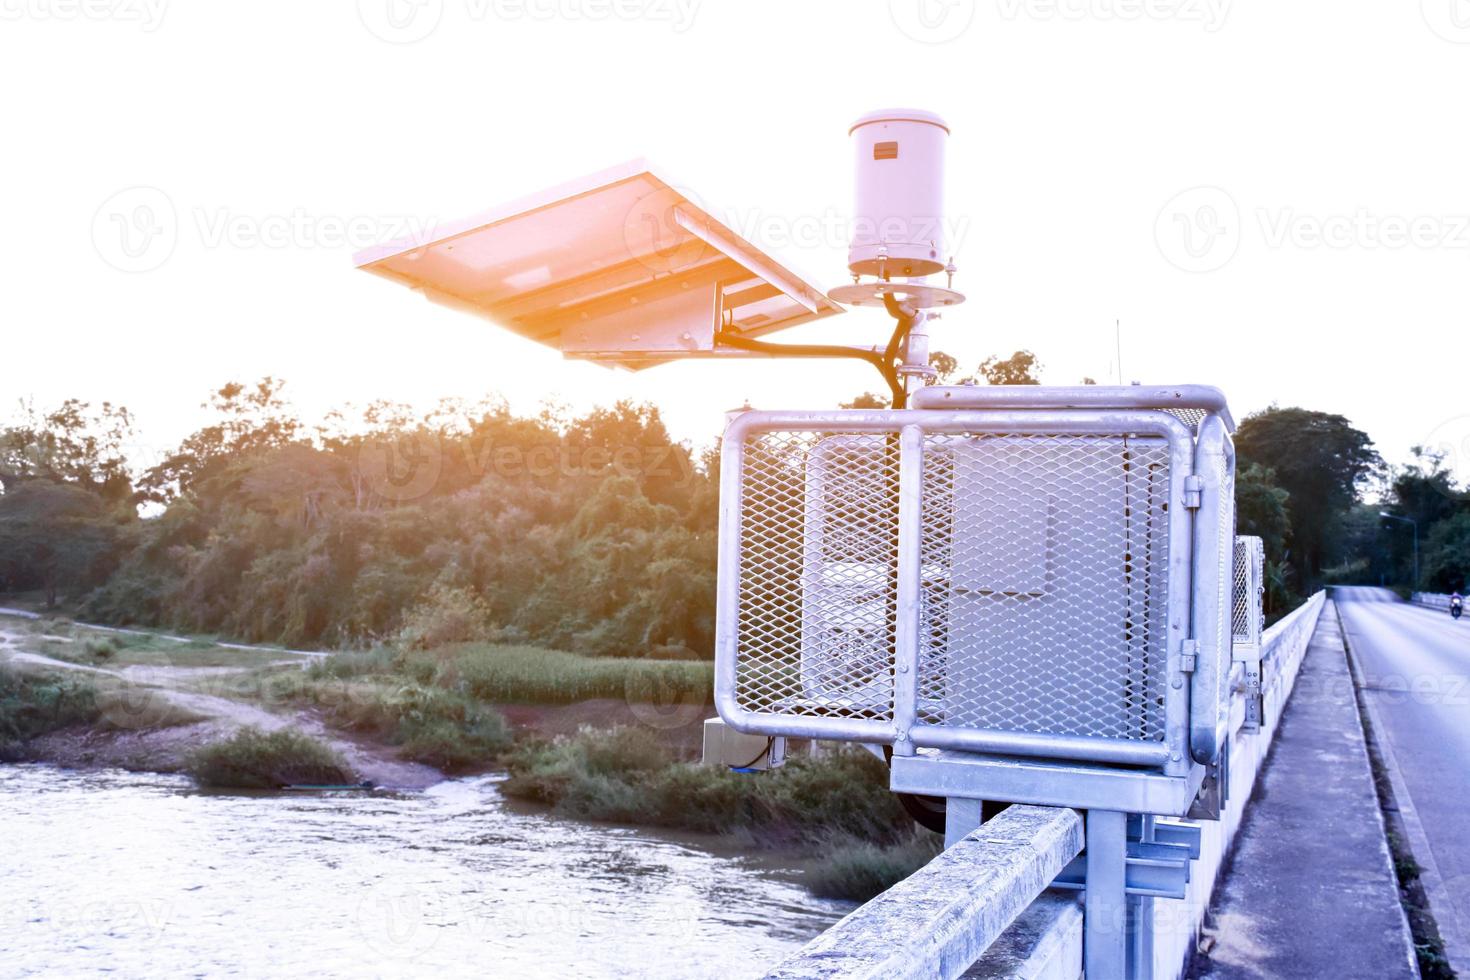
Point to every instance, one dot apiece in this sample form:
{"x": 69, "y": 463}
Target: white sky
{"x": 1076, "y": 126}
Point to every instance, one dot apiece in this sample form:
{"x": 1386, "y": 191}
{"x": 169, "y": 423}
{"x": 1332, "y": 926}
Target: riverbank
{"x": 401, "y": 721}
{"x": 157, "y": 698}
{"x": 410, "y": 719}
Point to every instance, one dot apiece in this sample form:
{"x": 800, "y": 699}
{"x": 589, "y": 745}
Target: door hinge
{"x": 1188, "y": 656}
{"x": 1194, "y": 488}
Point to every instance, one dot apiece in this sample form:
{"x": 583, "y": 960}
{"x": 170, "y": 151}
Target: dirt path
{"x": 151, "y": 718}
{"x": 27, "y": 614}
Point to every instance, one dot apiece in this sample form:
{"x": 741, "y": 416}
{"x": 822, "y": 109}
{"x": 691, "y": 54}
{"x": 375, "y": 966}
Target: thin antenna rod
{"x": 1118, "y": 340}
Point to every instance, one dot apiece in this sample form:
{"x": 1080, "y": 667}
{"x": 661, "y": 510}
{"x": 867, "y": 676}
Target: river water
{"x": 140, "y": 874}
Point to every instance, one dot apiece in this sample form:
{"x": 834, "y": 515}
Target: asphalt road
{"x": 1415, "y": 665}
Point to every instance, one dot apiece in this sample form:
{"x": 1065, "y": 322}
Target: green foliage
{"x": 442, "y": 728}
{"x": 446, "y": 615}
{"x": 1446, "y": 559}
{"x": 593, "y": 534}
{"x": 1322, "y": 463}
{"x": 857, "y": 870}
{"x": 252, "y": 759}
{"x": 1021, "y": 368}
{"x": 1261, "y": 508}
{"x": 628, "y": 776}
{"x": 354, "y": 663}
{"x": 73, "y": 444}
{"x": 32, "y": 705}
{"x": 533, "y": 675}
{"x": 251, "y": 418}
{"x": 1377, "y": 550}
{"x": 514, "y": 674}
{"x": 57, "y": 537}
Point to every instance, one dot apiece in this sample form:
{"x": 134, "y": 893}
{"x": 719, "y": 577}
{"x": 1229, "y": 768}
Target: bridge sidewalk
{"x": 1310, "y": 890}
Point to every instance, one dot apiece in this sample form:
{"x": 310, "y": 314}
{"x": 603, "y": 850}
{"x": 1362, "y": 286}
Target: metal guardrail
{"x": 940, "y": 920}
{"x": 1434, "y": 600}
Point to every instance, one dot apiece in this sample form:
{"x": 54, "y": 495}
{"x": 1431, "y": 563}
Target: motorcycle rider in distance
{"x": 1457, "y": 604}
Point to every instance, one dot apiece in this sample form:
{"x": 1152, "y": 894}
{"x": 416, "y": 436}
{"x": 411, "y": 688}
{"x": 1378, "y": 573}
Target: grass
{"x": 438, "y": 704}
{"x": 856, "y": 870}
{"x": 438, "y": 727}
{"x": 837, "y": 808}
{"x": 536, "y": 675}
{"x": 32, "y": 705}
{"x": 252, "y": 759}
{"x": 627, "y": 775}
{"x": 89, "y": 646}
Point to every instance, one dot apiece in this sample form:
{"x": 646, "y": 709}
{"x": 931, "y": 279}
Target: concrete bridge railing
{"x": 984, "y": 908}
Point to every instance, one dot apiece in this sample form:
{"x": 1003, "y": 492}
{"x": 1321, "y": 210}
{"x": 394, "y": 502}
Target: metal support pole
{"x": 1141, "y": 921}
{"x": 1140, "y": 937}
{"x": 961, "y": 816}
{"x": 1105, "y": 923}
{"x": 908, "y": 597}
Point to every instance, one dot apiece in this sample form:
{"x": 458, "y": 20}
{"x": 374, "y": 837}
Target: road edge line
{"x": 1456, "y": 945}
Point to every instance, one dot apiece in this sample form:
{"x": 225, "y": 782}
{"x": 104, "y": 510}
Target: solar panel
{"x": 623, "y": 267}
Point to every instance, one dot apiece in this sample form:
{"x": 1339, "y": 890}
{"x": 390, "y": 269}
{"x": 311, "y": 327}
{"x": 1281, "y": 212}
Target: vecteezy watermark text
{"x": 408, "y": 21}
{"x": 1201, "y": 229}
{"x": 138, "y": 229}
{"x": 147, "y": 14}
{"x": 407, "y": 467}
{"x": 1362, "y": 229}
{"x": 1209, "y": 14}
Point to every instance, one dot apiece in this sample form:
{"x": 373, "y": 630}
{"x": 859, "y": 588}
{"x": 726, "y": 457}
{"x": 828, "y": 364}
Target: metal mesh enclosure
{"x": 1248, "y": 578}
{"x": 1054, "y": 583}
{"x": 817, "y": 560}
{"x": 1043, "y": 596}
{"x": 1044, "y": 564}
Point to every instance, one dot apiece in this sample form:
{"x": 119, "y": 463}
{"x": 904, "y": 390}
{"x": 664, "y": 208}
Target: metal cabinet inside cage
{"x": 1033, "y": 584}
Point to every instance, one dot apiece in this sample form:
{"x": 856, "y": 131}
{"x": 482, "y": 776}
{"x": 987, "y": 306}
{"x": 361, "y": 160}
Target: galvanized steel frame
{"x": 1172, "y": 756}
{"x": 1245, "y": 643}
{"x": 1211, "y": 591}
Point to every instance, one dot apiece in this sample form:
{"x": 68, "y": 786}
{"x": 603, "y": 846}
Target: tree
{"x": 1021, "y": 368}
{"x": 73, "y": 443}
{"x": 944, "y": 366}
{"x": 1323, "y": 463}
{"x": 1425, "y": 492}
{"x": 1447, "y": 555}
{"x": 1262, "y": 509}
{"x": 866, "y": 400}
{"x": 56, "y": 537}
{"x": 251, "y": 418}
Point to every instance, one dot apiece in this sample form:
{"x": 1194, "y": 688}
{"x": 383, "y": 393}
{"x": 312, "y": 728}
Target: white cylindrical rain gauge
{"x": 898, "y": 215}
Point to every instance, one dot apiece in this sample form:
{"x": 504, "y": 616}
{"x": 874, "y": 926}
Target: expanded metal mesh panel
{"x": 1191, "y": 417}
{"x": 1245, "y": 608}
{"x": 819, "y": 532}
{"x": 1013, "y": 582}
{"x": 1045, "y": 562}
{"x": 1240, "y": 620}
{"x": 1224, "y": 481}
